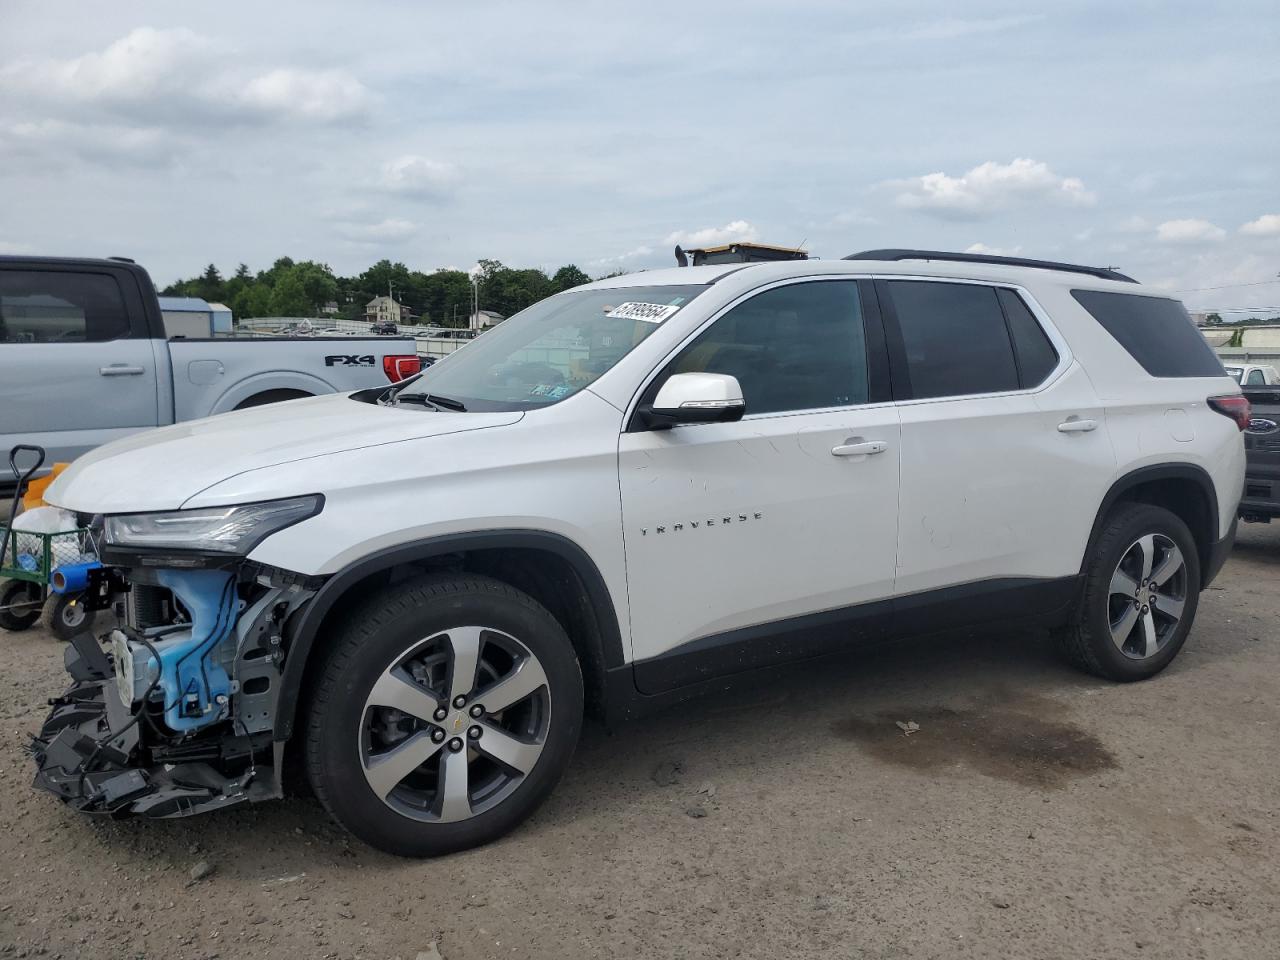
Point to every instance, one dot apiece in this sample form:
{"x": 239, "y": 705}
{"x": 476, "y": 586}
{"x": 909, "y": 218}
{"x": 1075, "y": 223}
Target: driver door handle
{"x": 121, "y": 370}
{"x": 1077, "y": 426}
{"x": 857, "y": 447}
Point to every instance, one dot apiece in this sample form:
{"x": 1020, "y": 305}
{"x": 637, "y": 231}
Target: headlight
{"x": 230, "y": 530}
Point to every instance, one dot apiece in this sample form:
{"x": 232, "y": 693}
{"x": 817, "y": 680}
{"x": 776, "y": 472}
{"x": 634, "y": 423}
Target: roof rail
{"x": 1103, "y": 273}
{"x": 123, "y": 259}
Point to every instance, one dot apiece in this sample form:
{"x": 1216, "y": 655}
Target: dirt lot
{"x": 1034, "y": 813}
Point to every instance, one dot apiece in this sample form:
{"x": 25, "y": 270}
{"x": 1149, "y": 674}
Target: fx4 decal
{"x": 349, "y": 360}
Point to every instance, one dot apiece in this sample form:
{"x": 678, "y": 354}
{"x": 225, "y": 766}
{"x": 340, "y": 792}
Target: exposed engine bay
{"x": 170, "y": 710}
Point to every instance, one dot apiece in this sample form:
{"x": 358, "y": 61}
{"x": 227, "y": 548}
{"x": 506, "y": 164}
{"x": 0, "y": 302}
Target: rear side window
{"x": 1256, "y": 379}
{"x": 955, "y": 338}
{"x": 1035, "y": 354}
{"x": 1156, "y": 331}
{"x": 51, "y": 306}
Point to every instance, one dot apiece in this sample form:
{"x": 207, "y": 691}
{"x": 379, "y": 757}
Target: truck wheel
{"x": 65, "y": 615}
{"x": 444, "y": 713}
{"x": 1142, "y": 587}
{"x": 20, "y": 604}
{"x": 270, "y": 396}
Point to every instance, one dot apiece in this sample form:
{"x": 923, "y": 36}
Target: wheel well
{"x": 271, "y": 396}
{"x": 1182, "y": 496}
{"x": 545, "y": 575}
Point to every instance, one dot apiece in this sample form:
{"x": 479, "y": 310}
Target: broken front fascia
{"x": 178, "y": 720}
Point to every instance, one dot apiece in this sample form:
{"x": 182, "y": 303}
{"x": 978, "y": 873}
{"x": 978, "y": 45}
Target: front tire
{"x": 66, "y": 615}
{"x": 1142, "y": 588}
{"x": 445, "y": 712}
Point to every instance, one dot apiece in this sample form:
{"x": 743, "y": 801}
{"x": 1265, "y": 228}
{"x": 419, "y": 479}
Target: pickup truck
{"x": 84, "y": 359}
{"x": 1253, "y": 374}
{"x": 1261, "y": 499}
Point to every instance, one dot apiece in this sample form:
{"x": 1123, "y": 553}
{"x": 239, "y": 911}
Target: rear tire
{"x": 390, "y": 752}
{"x": 1141, "y": 591}
{"x": 20, "y": 604}
{"x": 270, "y": 396}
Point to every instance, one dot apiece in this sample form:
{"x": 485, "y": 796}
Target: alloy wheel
{"x": 1147, "y": 596}
{"x": 454, "y": 725}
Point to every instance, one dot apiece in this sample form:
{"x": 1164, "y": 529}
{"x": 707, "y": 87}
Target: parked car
{"x": 628, "y": 493}
{"x": 1253, "y": 374}
{"x": 84, "y": 360}
{"x": 1261, "y": 500}
{"x": 384, "y": 328}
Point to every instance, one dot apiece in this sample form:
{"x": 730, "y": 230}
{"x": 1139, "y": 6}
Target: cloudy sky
{"x": 1140, "y": 135}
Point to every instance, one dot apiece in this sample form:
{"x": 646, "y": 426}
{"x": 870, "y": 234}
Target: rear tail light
{"x": 399, "y": 367}
{"x": 1234, "y": 406}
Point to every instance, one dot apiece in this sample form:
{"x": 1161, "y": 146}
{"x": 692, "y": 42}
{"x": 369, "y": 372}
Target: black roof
{"x": 1103, "y": 273}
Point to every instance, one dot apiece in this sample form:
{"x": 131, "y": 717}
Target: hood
{"x": 162, "y": 469}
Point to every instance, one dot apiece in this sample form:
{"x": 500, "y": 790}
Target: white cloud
{"x": 1267, "y": 225}
{"x": 179, "y": 77}
{"x": 993, "y": 251}
{"x": 635, "y": 254}
{"x": 950, "y": 28}
{"x": 1189, "y": 231}
{"x": 385, "y": 231}
{"x": 1134, "y": 224}
{"x": 854, "y": 218}
{"x": 736, "y": 230}
{"x": 417, "y": 176}
{"x": 142, "y": 64}
{"x": 990, "y": 187}
{"x": 325, "y": 96}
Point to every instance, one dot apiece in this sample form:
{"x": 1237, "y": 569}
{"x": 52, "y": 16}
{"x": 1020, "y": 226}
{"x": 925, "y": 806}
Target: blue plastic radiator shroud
{"x": 196, "y": 691}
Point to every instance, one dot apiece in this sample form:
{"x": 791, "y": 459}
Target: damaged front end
{"x": 175, "y": 715}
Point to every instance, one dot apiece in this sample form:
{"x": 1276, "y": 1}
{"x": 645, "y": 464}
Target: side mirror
{"x": 695, "y": 398}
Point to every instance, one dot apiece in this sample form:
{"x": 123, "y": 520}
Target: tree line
{"x": 443, "y": 298}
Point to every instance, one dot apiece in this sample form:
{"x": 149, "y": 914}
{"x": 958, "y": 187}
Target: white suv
{"x": 621, "y": 494}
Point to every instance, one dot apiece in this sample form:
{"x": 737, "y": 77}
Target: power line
{"x": 1230, "y": 286}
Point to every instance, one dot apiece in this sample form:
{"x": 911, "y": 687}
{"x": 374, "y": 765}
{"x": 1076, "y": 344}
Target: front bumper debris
{"x": 80, "y": 760}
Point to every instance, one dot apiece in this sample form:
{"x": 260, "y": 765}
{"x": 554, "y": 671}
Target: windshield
{"x": 551, "y": 350}
{"x": 1236, "y": 373}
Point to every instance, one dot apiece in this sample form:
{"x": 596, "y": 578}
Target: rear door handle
{"x": 861, "y": 448}
{"x": 1077, "y": 426}
{"x": 121, "y": 370}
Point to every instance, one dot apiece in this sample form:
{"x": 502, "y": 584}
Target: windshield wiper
{"x": 447, "y": 402}
{"x": 431, "y": 400}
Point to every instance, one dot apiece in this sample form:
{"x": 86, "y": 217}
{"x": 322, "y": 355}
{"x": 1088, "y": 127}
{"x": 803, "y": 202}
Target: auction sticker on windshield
{"x": 648, "y": 312}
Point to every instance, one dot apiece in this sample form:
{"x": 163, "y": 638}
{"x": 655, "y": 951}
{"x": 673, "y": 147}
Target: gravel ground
{"x": 1035, "y": 812}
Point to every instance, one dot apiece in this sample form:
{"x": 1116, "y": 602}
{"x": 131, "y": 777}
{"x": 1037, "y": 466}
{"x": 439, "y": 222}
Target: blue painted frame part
{"x": 191, "y": 684}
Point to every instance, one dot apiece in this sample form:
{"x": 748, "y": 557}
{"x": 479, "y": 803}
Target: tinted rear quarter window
{"x": 1156, "y": 331}
{"x": 955, "y": 338}
{"x": 1036, "y": 356}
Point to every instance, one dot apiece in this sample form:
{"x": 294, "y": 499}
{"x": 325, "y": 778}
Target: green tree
{"x": 289, "y": 297}
{"x": 568, "y": 277}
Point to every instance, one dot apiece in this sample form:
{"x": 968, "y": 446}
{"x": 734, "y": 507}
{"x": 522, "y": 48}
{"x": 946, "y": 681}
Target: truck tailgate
{"x": 1262, "y": 450}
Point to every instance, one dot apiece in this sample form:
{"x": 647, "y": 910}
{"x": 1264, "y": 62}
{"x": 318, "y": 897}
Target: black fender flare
{"x": 303, "y": 629}
{"x": 1163, "y": 471}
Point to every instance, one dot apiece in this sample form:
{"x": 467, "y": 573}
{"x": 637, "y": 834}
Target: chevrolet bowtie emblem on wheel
{"x": 457, "y": 724}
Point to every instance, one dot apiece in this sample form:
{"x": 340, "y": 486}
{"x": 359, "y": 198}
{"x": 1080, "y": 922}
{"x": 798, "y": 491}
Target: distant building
{"x": 386, "y": 310}
{"x": 483, "y": 319}
{"x": 330, "y": 309}
{"x": 194, "y": 318}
